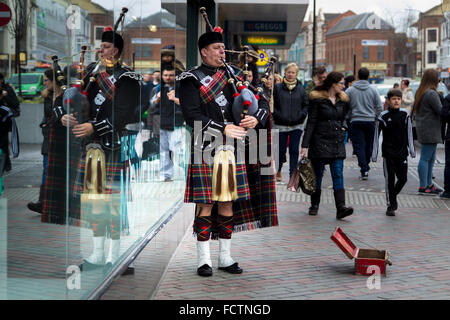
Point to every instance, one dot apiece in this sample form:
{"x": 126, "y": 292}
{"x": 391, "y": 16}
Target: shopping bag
{"x": 303, "y": 178}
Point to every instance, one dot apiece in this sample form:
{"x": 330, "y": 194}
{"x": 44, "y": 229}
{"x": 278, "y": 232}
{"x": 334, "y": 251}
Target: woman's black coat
{"x": 326, "y": 126}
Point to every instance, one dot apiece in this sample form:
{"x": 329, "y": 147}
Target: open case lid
{"x": 343, "y": 242}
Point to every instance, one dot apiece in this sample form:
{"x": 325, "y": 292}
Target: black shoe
{"x": 315, "y": 201}
{"x": 204, "y": 271}
{"x": 86, "y": 266}
{"x": 390, "y": 212}
{"x": 343, "y": 212}
{"x": 313, "y": 210}
{"x": 445, "y": 195}
{"x": 364, "y": 175}
{"x": 234, "y": 269}
{"x": 35, "y": 206}
{"x": 128, "y": 271}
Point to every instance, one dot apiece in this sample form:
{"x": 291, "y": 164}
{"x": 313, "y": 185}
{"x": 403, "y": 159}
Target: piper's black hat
{"x": 209, "y": 38}
{"x": 110, "y": 36}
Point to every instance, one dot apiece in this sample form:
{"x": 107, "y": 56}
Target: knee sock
{"x": 225, "y": 225}
{"x": 202, "y": 227}
{"x": 98, "y": 225}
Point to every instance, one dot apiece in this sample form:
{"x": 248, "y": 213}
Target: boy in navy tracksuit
{"x": 395, "y": 124}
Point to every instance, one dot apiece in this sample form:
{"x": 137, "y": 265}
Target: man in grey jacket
{"x": 365, "y": 107}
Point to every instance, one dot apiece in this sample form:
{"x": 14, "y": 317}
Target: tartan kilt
{"x": 199, "y": 183}
{"x": 54, "y": 197}
{"x": 261, "y": 210}
{"x": 113, "y": 166}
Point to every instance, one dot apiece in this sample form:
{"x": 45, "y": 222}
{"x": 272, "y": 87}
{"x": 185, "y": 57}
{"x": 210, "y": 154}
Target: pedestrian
{"x": 395, "y": 86}
{"x": 168, "y": 59}
{"x": 290, "y": 110}
{"x": 251, "y": 66}
{"x": 112, "y": 100}
{"x": 147, "y": 85}
{"x": 167, "y": 106}
{"x": 248, "y": 200}
{"x": 156, "y": 76}
{"x": 324, "y": 139}
{"x": 268, "y": 90}
{"x": 278, "y": 78}
{"x": 365, "y": 107}
{"x": 319, "y": 75}
{"x": 397, "y": 140}
{"x": 427, "y": 114}
{"x": 349, "y": 81}
{"x": 445, "y": 116}
{"x": 408, "y": 97}
{"x": 11, "y": 105}
{"x": 45, "y": 127}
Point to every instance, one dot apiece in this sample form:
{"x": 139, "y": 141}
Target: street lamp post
{"x": 314, "y": 38}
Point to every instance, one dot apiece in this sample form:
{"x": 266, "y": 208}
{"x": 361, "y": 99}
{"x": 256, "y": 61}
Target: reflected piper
{"x": 113, "y": 94}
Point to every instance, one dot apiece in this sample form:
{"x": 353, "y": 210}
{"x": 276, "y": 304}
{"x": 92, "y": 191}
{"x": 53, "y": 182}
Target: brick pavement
{"x": 298, "y": 260}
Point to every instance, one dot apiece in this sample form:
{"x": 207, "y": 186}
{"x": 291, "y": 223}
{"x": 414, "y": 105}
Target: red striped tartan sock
{"x": 203, "y": 228}
{"x": 225, "y": 225}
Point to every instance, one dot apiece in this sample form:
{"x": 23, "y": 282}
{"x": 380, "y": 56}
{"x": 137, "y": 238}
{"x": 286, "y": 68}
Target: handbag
{"x": 303, "y": 178}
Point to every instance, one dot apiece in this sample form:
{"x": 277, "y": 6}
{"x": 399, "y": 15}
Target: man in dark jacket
{"x": 290, "y": 110}
{"x": 8, "y": 99}
{"x": 167, "y": 105}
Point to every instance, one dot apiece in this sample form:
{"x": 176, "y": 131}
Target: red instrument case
{"x": 364, "y": 258}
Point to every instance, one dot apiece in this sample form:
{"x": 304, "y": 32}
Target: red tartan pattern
{"x": 219, "y": 81}
{"x": 106, "y": 85}
{"x": 210, "y": 91}
{"x": 113, "y": 168}
{"x": 199, "y": 183}
{"x": 54, "y": 208}
{"x": 262, "y": 206}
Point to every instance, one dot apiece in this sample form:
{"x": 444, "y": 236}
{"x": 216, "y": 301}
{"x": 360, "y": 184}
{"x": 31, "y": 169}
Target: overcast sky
{"x": 392, "y": 8}
{"x": 380, "y": 7}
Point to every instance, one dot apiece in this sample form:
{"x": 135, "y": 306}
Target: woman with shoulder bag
{"x": 324, "y": 139}
{"x": 426, "y": 111}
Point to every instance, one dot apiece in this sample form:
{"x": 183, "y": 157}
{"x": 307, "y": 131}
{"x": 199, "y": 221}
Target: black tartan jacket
{"x": 211, "y": 115}
{"x": 109, "y": 116}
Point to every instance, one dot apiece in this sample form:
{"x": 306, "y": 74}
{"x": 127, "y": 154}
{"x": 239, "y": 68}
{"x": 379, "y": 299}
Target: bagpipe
{"x": 246, "y": 96}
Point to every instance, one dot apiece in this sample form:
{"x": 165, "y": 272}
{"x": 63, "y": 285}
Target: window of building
{"x": 431, "y": 35}
{"x": 432, "y": 56}
{"x": 98, "y": 32}
{"x": 366, "y": 53}
{"x": 143, "y": 51}
{"x": 380, "y": 53}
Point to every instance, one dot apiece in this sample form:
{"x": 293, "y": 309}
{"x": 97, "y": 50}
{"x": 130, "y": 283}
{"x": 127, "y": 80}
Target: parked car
{"x": 32, "y": 84}
{"x": 383, "y": 90}
{"x": 442, "y": 88}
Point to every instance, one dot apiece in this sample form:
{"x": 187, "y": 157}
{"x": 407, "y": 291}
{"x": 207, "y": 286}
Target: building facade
{"x": 324, "y": 23}
{"x": 363, "y": 40}
{"x": 430, "y": 34}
